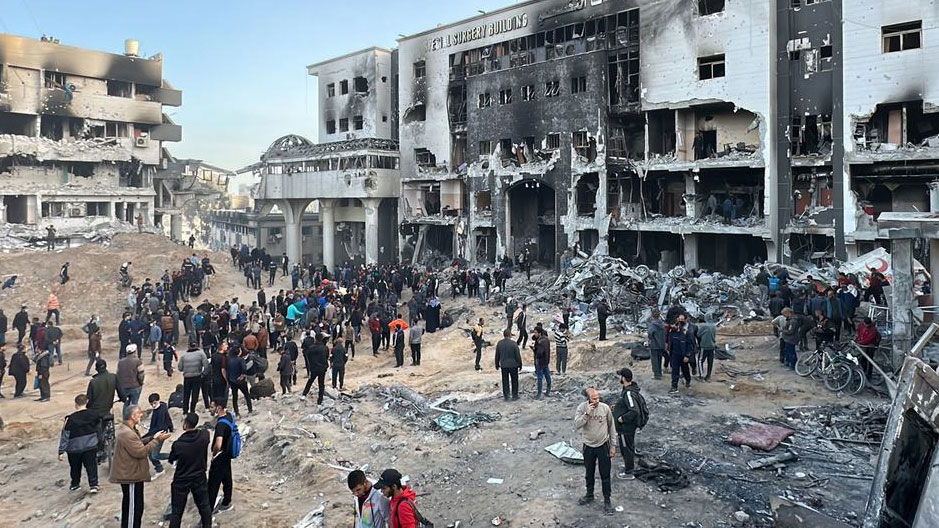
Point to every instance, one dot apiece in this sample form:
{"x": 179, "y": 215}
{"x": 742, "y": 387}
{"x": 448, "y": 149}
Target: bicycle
{"x": 108, "y": 441}
{"x": 837, "y": 368}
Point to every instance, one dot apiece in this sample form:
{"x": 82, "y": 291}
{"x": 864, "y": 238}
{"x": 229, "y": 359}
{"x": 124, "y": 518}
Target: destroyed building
{"x": 232, "y": 227}
{"x": 351, "y": 177}
{"x": 188, "y": 191}
{"x": 709, "y": 134}
{"x": 81, "y": 134}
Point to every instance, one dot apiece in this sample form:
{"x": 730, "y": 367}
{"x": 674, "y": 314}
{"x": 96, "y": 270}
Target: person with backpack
{"x": 226, "y": 445}
{"x": 371, "y": 507}
{"x": 403, "y": 511}
{"x": 188, "y": 454}
{"x": 631, "y": 413}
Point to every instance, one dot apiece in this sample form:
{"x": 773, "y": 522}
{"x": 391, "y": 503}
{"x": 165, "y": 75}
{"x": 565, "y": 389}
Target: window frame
{"x": 710, "y": 62}
{"x": 901, "y": 32}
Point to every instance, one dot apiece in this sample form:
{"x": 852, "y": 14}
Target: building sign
{"x": 491, "y": 29}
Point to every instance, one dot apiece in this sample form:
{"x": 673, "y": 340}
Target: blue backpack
{"x": 234, "y": 445}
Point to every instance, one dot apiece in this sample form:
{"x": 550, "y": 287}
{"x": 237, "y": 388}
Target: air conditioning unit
{"x": 142, "y": 141}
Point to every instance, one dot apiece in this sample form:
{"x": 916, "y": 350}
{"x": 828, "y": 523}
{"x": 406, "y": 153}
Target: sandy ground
{"x": 285, "y": 469}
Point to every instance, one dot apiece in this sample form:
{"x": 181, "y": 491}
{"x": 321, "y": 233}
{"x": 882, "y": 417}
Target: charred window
{"x": 505, "y": 147}
{"x": 52, "y": 79}
{"x": 587, "y": 187}
{"x": 112, "y": 129}
{"x": 825, "y": 56}
{"x": 120, "y": 88}
{"x": 331, "y": 126}
{"x": 711, "y": 67}
{"x": 578, "y": 84}
{"x": 709, "y": 7}
{"x": 344, "y": 124}
{"x": 331, "y": 90}
{"x": 505, "y": 96}
{"x": 424, "y": 157}
{"x": 360, "y": 84}
{"x": 528, "y": 92}
{"x": 485, "y": 100}
{"x": 485, "y": 148}
{"x": 344, "y": 87}
{"x": 357, "y": 122}
{"x": 581, "y": 143}
{"x": 420, "y": 69}
{"x": 902, "y": 37}
{"x": 552, "y": 89}
{"x": 553, "y": 141}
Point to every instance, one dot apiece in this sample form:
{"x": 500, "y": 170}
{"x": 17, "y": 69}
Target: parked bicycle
{"x": 108, "y": 440}
{"x": 836, "y": 366}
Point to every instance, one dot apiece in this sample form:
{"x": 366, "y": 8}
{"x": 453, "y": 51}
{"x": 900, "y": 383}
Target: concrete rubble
{"x": 21, "y": 236}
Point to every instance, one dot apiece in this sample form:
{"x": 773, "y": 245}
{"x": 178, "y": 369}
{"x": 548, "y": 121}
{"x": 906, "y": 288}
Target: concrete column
{"x": 691, "y": 205}
{"x": 901, "y": 297}
{"x": 293, "y": 216}
{"x": 371, "y": 229}
{"x": 176, "y": 227}
{"x": 328, "y": 219}
{"x": 691, "y": 251}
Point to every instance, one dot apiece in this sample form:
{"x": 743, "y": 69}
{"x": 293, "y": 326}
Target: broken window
{"x": 505, "y": 96}
{"x": 384, "y": 118}
{"x": 483, "y": 201}
{"x": 425, "y": 158}
{"x": 485, "y": 100}
{"x": 552, "y": 88}
{"x": 458, "y": 150}
{"x": 331, "y": 126}
{"x": 97, "y": 208}
{"x": 528, "y": 92}
{"x": 485, "y": 148}
{"x": 554, "y": 141}
{"x": 709, "y": 7}
{"x": 53, "y": 209}
{"x": 623, "y": 68}
{"x": 357, "y": 122}
{"x": 825, "y": 54}
{"x": 417, "y": 112}
{"x": 587, "y": 187}
{"x": 83, "y": 169}
{"x": 51, "y": 127}
{"x": 344, "y": 87}
{"x": 578, "y": 84}
{"x": 581, "y": 143}
{"x": 420, "y": 69}
{"x": 344, "y": 124}
{"x": 360, "y": 84}
{"x": 52, "y": 79}
{"x": 331, "y": 90}
{"x": 505, "y": 147}
{"x": 902, "y": 37}
{"x": 112, "y": 129}
{"x": 711, "y": 67}
{"x": 17, "y": 124}
{"x": 456, "y": 101}
{"x": 119, "y": 88}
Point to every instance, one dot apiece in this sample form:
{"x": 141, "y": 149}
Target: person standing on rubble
{"x": 521, "y": 322}
{"x": 565, "y": 308}
{"x": 542, "y": 354}
{"x": 630, "y": 412}
{"x": 477, "y": 336}
{"x": 510, "y": 307}
{"x": 509, "y": 362}
{"x": 790, "y": 337}
{"x": 680, "y": 346}
{"x": 594, "y": 420}
{"x": 561, "y": 335}
{"x": 603, "y": 313}
{"x": 656, "y": 335}
{"x": 63, "y": 273}
{"x": 50, "y": 238}
{"x": 707, "y": 337}
{"x": 317, "y": 361}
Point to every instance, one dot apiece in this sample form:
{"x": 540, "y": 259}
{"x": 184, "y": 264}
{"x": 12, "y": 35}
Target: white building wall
{"x": 374, "y": 65}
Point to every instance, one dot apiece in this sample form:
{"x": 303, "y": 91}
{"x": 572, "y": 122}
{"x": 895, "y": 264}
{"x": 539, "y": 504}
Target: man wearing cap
{"x": 403, "y": 512}
{"x": 594, "y": 420}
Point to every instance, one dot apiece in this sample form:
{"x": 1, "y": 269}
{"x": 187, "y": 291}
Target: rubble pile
{"x": 21, "y": 236}
{"x": 857, "y": 422}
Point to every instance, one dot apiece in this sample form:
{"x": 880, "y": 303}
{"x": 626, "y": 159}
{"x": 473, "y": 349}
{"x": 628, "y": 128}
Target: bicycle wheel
{"x": 838, "y": 377}
{"x": 858, "y": 381}
{"x": 807, "y": 364}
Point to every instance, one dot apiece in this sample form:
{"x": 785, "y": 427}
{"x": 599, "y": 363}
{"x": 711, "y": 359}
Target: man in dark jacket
{"x": 79, "y": 439}
{"x": 43, "y": 366}
{"x": 317, "y": 359}
{"x": 542, "y": 353}
{"x": 101, "y": 390}
{"x": 521, "y": 322}
{"x": 338, "y": 362}
{"x": 626, "y": 414}
{"x": 19, "y": 368}
{"x": 509, "y": 361}
{"x": 399, "y": 346}
{"x": 189, "y": 453}
{"x": 680, "y": 348}
{"x": 21, "y": 323}
{"x": 603, "y": 313}
{"x": 656, "y": 335}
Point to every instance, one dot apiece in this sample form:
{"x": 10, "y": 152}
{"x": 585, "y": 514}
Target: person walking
{"x": 52, "y": 307}
{"x": 129, "y": 466}
{"x": 521, "y": 323}
{"x": 415, "y": 335}
{"x": 21, "y": 323}
{"x": 43, "y": 368}
{"x": 316, "y": 358}
{"x": 542, "y": 353}
{"x": 52, "y": 341}
{"x": 285, "y": 367}
{"x": 337, "y": 361}
{"x": 594, "y": 420}
{"x": 130, "y": 376}
{"x": 399, "y": 346}
{"x": 238, "y": 380}
{"x": 101, "y": 390}
{"x": 629, "y": 412}
{"x": 403, "y": 510}
{"x": 19, "y": 369}
{"x": 371, "y": 507}
{"x": 194, "y": 366}
{"x": 94, "y": 349}
{"x": 509, "y": 362}
{"x": 63, "y": 273}
{"x": 222, "y": 454}
{"x": 188, "y": 454}
{"x": 656, "y": 335}
{"x": 79, "y": 441}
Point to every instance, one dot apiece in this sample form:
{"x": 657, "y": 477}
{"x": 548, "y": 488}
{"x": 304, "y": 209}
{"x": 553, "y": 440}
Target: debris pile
{"x": 21, "y": 236}
{"x": 857, "y": 422}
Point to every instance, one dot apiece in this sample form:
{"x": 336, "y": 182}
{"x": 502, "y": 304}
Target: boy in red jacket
{"x": 404, "y": 513}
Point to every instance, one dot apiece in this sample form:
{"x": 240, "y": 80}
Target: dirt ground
{"x": 286, "y": 468}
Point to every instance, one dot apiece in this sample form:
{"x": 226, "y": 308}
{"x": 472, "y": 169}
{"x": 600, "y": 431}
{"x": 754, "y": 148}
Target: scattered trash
{"x": 454, "y": 422}
{"x": 314, "y": 518}
{"x": 773, "y": 460}
{"x": 667, "y": 476}
{"x": 496, "y": 521}
{"x": 494, "y": 480}
{"x": 565, "y": 453}
{"x": 535, "y": 434}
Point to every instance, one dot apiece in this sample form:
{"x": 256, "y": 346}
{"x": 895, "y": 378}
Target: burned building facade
{"x": 626, "y": 128}
{"x": 80, "y": 134}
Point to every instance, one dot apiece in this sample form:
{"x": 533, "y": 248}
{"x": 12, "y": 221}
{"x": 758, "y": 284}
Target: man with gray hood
{"x": 193, "y": 365}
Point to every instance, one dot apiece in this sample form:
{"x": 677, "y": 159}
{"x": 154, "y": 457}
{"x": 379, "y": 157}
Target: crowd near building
{"x": 709, "y": 133}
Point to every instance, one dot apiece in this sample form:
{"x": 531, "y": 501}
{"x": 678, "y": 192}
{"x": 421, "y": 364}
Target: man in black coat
{"x": 19, "y": 368}
{"x": 317, "y": 361}
{"x": 189, "y": 453}
{"x": 509, "y": 361}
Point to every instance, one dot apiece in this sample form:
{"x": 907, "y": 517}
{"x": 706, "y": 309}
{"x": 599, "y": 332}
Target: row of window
{"x": 358, "y": 123}
{"x": 551, "y": 89}
{"x": 335, "y": 164}
{"x": 359, "y": 86}
{"x": 580, "y": 141}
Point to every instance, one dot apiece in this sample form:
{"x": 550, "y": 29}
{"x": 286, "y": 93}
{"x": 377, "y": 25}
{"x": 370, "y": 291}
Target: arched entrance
{"x": 531, "y": 221}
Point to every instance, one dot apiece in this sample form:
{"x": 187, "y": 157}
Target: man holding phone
{"x": 129, "y": 467}
{"x": 594, "y": 419}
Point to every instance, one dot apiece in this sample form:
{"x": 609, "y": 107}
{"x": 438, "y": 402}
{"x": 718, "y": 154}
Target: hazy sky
{"x": 240, "y": 64}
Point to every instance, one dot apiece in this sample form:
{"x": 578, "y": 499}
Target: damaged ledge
{"x": 811, "y": 160}
{"x": 44, "y": 149}
{"x": 901, "y": 154}
{"x": 753, "y": 162}
{"x": 432, "y": 220}
{"x": 685, "y": 226}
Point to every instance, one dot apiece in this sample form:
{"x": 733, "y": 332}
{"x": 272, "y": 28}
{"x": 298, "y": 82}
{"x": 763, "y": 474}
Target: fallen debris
{"x": 565, "y": 453}
{"x": 760, "y": 436}
{"x": 760, "y": 463}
